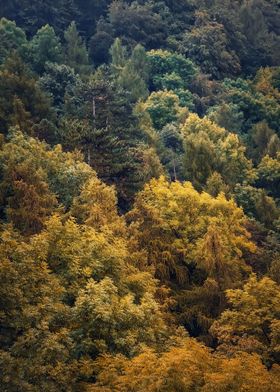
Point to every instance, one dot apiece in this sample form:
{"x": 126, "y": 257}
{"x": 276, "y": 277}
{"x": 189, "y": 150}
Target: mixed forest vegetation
{"x": 140, "y": 196}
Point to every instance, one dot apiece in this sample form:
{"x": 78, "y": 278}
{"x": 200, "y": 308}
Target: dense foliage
{"x": 140, "y": 196}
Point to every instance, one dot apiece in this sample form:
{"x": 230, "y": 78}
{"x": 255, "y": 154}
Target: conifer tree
{"x": 107, "y": 131}
{"x": 76, "y": 55}
{"x": 118, "y": 56}
{"x": 11, "y": 38}
{"x": 131, "y": 73}
{"x": 44, "y": 47}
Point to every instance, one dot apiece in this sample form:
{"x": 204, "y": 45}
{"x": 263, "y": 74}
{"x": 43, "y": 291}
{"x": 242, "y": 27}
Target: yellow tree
{"x": 36, "y": 347}
{"x": 194, "y": 242}
{"x": 96, "y": 206}
{"x": 173, "y": 222}
{"x": 253, "y": 322}
{"x": 36, "y": 177}
{"x": 186, "y": 367}
{"x": 112, "y": 304}
{"x": 27, "y": 199}
{"x": 210, "y": 148}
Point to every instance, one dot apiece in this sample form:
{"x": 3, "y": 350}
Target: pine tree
{"x": 76, "y": 55}
{"x": 45, "y": 47}
{"x": 108, "y": 133}
{"x": 131, "y": 73}
{"x": 118, "y": 57}
{"x": 11, "y": 38}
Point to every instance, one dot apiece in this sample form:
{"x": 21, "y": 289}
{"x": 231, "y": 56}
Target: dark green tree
{"x": 76, "y": 55}
{"x": 44, "y": 47}
{"x": 107, "y": 131}
{"x": 56, "y": 82}
{"x": 207, "y": 45}
{"x": 137, "y": 23}
{"x": 31, "y": 16}
{"x": 11, "y": 38}
{"x": 131, "y": 73}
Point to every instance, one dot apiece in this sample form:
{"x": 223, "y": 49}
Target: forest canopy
{"x": 140, "y": 196}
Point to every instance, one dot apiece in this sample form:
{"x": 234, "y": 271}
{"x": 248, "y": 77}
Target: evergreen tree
{"x": 11, "y": 38}
{"x": 108, "y": 259}
{"x": 32, "y": 16}
{"x": 118, "y": 56}
{"x": 63, "y": 174}
{"x": 137, "y": 23}
{"x": 101, "y": 42}
{"x": 58, "y": 81}
{"x": 107, "y": 132}
{"x": 261, "y": 44}
{"x": 45, "y": 47}
{"x": 76, "y": 55}
{"x": 131, "y": 73}
{"x": 257, "y": 204}
{"x": 89, "y": 12}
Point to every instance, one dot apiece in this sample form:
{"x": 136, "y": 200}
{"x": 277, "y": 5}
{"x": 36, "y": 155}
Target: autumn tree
{"x": 268, "y": 173}
{"x": 96, "y": 206}
{"x": 57, "y": 175}
{"x": 195, "y": 244}
{"x": 103, "y": 289}
{"x": 22, "y": 102}
{"x": 184, "y": 367}
{"x": 36, "y": 347}
{"x": 210, "y": 148}
{"x": 252, "y": 323}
